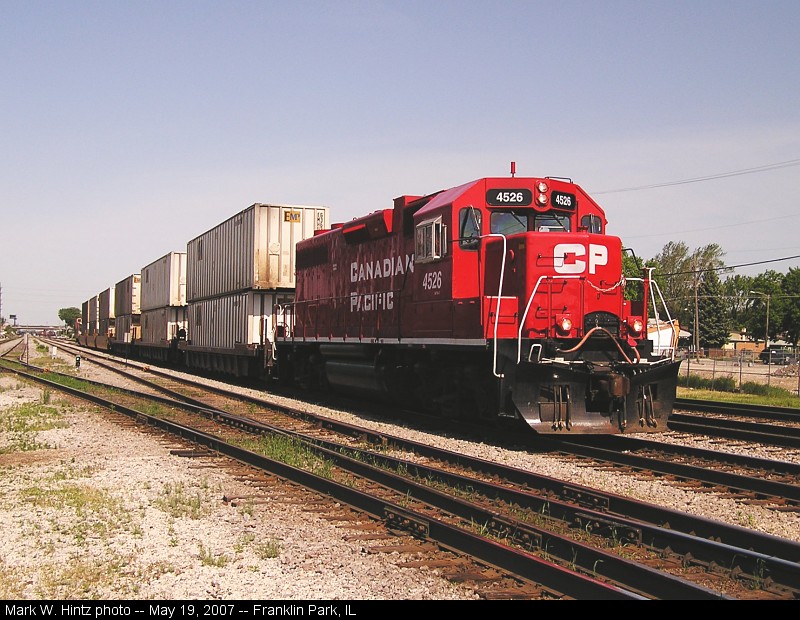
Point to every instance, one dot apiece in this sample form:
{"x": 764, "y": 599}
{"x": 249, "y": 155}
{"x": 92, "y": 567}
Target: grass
{"x": 177, "y": 501}
{"x": 772, "y": 396}
{"x": 725, "y": 387}
{"x": 209, "y": 558}
{"x": 22, "y": 422}
{"x": 290, "y": 451}
{"x": 99, "y": 513}
{"x": 268, "y": 550}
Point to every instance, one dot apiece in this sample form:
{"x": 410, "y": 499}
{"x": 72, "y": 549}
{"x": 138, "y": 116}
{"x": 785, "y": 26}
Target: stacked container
{"x": 238, "y": 274}
{"x": 127, "y": 309}
{"x": 84, "y": 318}
{"x": 106, "y": 313}
{"x": 94, "y": 323}
{"x": 163, "y": 306}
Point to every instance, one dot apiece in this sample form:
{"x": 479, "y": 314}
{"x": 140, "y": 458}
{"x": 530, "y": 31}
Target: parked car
{"x": 778, "y": 355}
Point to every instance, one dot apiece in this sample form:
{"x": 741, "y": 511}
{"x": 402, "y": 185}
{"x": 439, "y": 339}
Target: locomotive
{"x": 502, "y": 299}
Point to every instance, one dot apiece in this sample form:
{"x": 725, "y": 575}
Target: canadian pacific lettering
{"x": 370, "y": 302}
{"x": 381, "y": 268}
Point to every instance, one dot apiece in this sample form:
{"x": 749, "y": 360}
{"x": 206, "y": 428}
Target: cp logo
{"x": 569, "y": 261}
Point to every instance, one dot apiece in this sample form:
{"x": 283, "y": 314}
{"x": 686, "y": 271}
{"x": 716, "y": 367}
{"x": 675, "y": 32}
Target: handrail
{"x": 499, "y": 299}
{"x": 528, "y": 307}
{"x": 656, "y": 290}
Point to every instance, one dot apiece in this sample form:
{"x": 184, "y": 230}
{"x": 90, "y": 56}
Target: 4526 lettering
{"x": 432, "y": 280}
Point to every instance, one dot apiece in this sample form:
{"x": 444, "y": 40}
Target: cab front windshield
{"x": 514, "y": 222}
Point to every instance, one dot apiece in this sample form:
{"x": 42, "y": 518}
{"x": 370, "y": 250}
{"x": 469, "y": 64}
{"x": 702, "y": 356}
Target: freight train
{"x": 502, "y": 300}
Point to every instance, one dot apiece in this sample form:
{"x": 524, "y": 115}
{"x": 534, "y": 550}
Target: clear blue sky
{"x": 130, "y": 127}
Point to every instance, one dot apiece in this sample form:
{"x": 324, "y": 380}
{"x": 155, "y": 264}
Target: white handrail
{"x": 528, "y": 307}
{"x": 499, "y": 299}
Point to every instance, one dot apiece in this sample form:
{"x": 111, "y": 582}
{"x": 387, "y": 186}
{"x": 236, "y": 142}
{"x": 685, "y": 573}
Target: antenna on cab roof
{"x": 513, "y": 168}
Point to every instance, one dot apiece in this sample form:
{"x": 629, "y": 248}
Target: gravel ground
{"x": 103, "y": 512}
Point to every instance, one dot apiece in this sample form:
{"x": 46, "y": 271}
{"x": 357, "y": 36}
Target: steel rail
{"x": 510, "y": 559}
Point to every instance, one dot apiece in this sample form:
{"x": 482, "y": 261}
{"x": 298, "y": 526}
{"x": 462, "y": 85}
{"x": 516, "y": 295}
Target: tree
{"x": 68, "y": 315}
{"x": 737, "y": 298}
{"x": 680, "y": 277}
{"x": 712, "y": 312}
{"x": 791, "y": 305}
{"x": 632, "y": 268}
{"x": 768, "y": 287}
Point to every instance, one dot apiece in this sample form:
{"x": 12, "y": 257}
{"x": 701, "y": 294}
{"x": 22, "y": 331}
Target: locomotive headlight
{"x": 564, "y": 324}
{"x": 541, "y": 186}
{"x": 541, "y": 199}
{"x": 635, "y": 324}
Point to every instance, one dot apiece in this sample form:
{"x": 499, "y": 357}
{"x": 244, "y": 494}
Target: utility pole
{"x": 766, "y": 329}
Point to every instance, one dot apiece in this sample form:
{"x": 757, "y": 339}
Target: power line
{"x": 679, "y": 232}
{"x": 731, "y": 267}
{"x": 710, "y": 177}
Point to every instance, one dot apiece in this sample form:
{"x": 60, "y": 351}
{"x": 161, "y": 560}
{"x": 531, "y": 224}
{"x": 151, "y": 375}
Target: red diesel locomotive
{"x": 500, "y": 299}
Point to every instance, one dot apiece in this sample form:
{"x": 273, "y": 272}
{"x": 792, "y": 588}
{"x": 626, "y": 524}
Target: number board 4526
{"x": 500, "y": 197}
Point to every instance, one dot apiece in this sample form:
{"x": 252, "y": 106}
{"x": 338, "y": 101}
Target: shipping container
{"x": 233, "y": 334}
{"x": 164, "y": 282}
{"x": 162, "y": 326}
{"x": 126, "y": 296}
{"x": 85, "y": 317}
{"x": 106, "y": 304}
{"x": 107, "y": 327}
{"x": 93, "y": 315}
{"x": 127, "y": 328}
{"x": 254, "y": 249}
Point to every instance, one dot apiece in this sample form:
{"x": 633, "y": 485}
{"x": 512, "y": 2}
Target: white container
{"x": 234, "y": 322}
{"x": 161, "y": 326}
{"x": 106, "y": 304}
{"x": 126, "y": 295}
{"x": 254, "y": 249}
{"x": 164, "y": 282}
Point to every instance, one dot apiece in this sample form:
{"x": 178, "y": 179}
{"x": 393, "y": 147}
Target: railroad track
{"x": 591, "y": 512}
{"x": 769, "y": 483}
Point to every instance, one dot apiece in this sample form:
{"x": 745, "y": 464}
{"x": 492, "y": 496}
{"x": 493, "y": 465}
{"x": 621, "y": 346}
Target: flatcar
{"x": 502, "y": 299}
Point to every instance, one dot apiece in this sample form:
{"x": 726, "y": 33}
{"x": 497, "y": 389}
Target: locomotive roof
{"x": 447, "y": 196}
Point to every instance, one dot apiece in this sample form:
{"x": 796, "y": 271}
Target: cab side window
{"x": 592, "y": 224}
{"x": 430, "y": 241}
{"x": 469, "y": 228}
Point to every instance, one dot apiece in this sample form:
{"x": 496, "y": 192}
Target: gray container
{"x": 93, "y": 315}
{"x": 126, "y": 295}
{"x": 107, "y": 328}
{"x": 160, "y": 326}
{"x": 164, "y": 282}
{"x": 106, "y": 305}
{"x": 254, "y": 249}
{"x": 85, "y": 317}
{"x": 233, "y": 322}
{"x": 126, "y": 328}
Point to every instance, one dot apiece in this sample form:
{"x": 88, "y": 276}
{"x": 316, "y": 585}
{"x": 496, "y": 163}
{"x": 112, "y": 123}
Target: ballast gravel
{"x": 94, "y": 510}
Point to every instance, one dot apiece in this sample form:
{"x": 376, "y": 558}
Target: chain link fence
{"x": 741, "y": 367}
